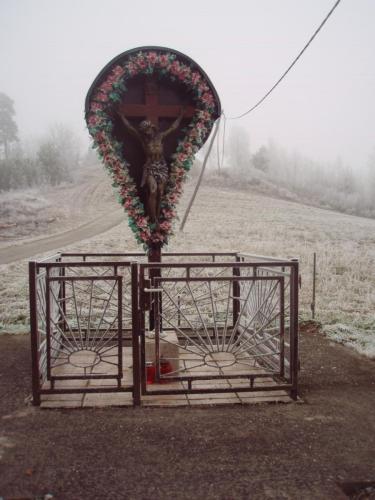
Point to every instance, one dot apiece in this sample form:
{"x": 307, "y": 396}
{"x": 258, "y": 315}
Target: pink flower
{"x": 172, "y": 198}
{"x": 99, "y": 137}
{"x": 106, "y": 86}
{"x": 165, "y": 226}
{"x": 141, "y": 222}
{"x": 152, "y": 57}
{"x": 93, "y": 120}
{"x": 132, "y": 69}
{"x": 164, "y": 61}
{"x": 168, "y": 213}
{"x": 141, "y": 62}
{"x": 156, "y": 237}
{"x": 145, "y": 235}
{"x": 181, "y": 157}
{"x": 100, "y": 96}
{"x": 95, "y": 106}
{"x": 118, "y": 71}
{"x": 175, "y": 68}
{"x": 207, "y": 98}
{"x": 195, "y": 77}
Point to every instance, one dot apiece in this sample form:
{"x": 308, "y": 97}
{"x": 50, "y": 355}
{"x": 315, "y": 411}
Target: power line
{"x": 223, "y": 145}
{"x": 217, "y": 125}
{"x": 290, "y": 67}
{"x": 218, "y": 150}
{"x": 221, "y": 163}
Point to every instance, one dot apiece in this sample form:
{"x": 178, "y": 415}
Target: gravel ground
{"x": 293, "y": 451}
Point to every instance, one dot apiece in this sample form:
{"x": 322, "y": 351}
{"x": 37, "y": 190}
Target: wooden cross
{"x": 152, "y": 110}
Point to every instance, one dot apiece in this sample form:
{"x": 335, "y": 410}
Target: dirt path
{"x": 314, "y": 450}
{"x": 29, "y": 249}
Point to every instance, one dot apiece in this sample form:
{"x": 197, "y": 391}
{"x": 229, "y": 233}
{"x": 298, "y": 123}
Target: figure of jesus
{"x": 155, "y": 170}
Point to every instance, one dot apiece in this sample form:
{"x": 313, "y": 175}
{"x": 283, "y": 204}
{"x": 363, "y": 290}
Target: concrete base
{"x": 168, "y": 348}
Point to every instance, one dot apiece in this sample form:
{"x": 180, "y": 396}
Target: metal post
{"x": 314, "y": 288}
{"x": 282, "y": 327}
{"x": 136, "y": 335}
{"x": 62, "y": 300}
{"x": 48, "y": 323}
{"x": 154, "y": 255}
{"x": 119, "y": 335}
{"x": 34, "y": 333}
{"x": 294, "y": 327}
{"x": 179, "y": 310}
{"x": 236, "y": 293}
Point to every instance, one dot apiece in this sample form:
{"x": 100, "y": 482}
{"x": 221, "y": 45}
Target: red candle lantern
{"x": 150, "y": 372}
{"x": 165, "y": 368}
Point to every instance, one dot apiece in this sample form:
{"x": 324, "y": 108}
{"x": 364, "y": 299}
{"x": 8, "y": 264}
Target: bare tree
{"x": 8, "y": 127}
{"x": 59, "y": 155}
{"x": 239, "y": 151}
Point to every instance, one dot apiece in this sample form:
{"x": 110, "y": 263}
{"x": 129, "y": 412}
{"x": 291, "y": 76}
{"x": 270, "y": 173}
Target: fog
{"x": 51, "y": 51}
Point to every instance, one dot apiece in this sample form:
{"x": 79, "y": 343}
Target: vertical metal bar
{"x": 62, "y": 297}
{"x": 143, "y": 305}
{"x": 119, "y": 324}
{"x": 236, "y": 294}
{"x": 48, "y": 323}
{"x": 179, "y": 310}
{"x": 294, "y": 328}
{"x": 157, "y": 323}
{"x": 135, "y": 335}
{"x": 282, "y": 327}
{"x": 34, "y": 333}
{"x": 154, "y": 255}
{"x": 314, "y": 288}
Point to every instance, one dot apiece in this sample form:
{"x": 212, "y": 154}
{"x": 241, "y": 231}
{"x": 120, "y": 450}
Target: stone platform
{"x": 125, "y": 399}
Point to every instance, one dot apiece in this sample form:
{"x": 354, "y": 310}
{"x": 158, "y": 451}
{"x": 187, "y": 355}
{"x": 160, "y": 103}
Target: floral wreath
{"x": 100, "y": 124}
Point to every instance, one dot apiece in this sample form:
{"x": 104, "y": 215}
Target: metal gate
{"x": 196, "y": 323}
{"x": 218, "y": 327}
{"x": 81, "y": 331}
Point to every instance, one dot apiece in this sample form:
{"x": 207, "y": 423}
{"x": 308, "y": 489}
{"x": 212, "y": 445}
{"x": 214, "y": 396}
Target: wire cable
{"x": 223, "y": 145}
{"x": 187, "y": 211}
{"x": 218, "y": 151}
{"x": 290, "y": 67}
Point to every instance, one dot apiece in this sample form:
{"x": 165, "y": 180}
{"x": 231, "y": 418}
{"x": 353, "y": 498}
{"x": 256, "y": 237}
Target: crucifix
{"x": 152, "y": 110}
{"x": 155, "y": 170}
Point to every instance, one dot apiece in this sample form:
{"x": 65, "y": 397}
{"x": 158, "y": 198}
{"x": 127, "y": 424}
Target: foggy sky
{"x": 51, "y": 50}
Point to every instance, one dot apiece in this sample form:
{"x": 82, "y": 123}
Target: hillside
{"x": 225, "y": 219}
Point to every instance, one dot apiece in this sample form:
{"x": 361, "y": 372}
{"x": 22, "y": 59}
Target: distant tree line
{"x": 273, "y": 171}
{"x": 53, "y": 160}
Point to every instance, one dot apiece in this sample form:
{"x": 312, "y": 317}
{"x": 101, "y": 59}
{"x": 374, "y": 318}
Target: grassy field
{"x": 223, "y": 219}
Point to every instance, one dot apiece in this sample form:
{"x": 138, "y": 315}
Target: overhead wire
{"x": 190, "y": 204}
{"x": 223, "y": 139}
{"x": 290, "y": 66}
{"x": 225, "y": 118}
{"x": 218, "y": 150}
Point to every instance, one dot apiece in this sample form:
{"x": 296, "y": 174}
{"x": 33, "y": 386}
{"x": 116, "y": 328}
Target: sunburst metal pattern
{"x": 222, "y": 326}
{"x": 80, "y": 322}
{"x": 227, "y": 322}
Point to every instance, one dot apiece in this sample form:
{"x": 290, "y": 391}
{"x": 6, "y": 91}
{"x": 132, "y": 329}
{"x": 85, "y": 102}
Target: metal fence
{"x": 195, "y": 323}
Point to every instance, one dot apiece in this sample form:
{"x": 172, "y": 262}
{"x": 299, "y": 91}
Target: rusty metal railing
{"x": 94, "y": 317}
